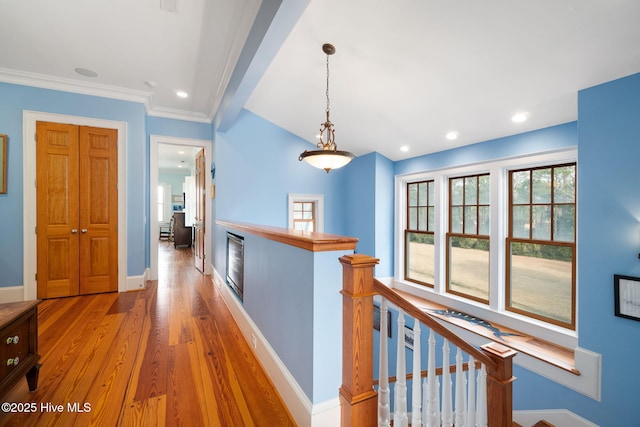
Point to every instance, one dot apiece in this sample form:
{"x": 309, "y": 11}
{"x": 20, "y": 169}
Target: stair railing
{"x": 482, "y": 394}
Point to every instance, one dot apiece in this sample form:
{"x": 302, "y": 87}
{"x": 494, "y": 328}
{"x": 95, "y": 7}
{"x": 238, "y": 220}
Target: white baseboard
{"x": 12, "y": 294}
{"x": 16, "y": 293}
{"x": 136, "y": 283}
{"x": 302, "y": 410}
{"x": 558, "y": 417}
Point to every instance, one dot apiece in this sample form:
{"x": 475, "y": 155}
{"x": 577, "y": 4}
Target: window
{"x": 496, "y": 240}
{"x": 164, "y": 203}
{"x": 541, "y": 243}
{"x": 419, "y": 249}
{"x": 468, "y": 237}
{"x": 304, "y": 216}
{"x": 306, "y": 212}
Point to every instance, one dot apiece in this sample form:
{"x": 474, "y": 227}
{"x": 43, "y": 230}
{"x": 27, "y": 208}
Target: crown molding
{"x": 144, "y": 97}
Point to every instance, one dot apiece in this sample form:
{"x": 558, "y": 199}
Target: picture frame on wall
{"x": 626, "y": 290}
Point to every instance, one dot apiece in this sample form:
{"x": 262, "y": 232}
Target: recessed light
{"x": 180, "y": 152}
{"x": 86, "y": 72}
{"x": 520, "y": 117}
{"x": 404, "y": 148}
{"x": 451, "y": 135}
{"x": 182, "y": 94}
{"x": 179, "y": 166}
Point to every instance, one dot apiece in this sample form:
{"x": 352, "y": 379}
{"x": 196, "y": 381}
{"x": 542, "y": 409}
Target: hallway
{"x": 167, "y": 355}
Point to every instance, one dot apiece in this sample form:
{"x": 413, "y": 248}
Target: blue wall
{"x": 13, "y": 100}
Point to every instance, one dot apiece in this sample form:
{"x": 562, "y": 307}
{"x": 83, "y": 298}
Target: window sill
{"x": 576, "y": 368}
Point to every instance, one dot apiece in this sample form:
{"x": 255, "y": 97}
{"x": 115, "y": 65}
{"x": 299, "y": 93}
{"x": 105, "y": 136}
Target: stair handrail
{"x": 358, "y": 398}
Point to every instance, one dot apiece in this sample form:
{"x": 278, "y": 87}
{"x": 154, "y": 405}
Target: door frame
{"x": 155, "y": 140}
{"x": 29, "y": 192}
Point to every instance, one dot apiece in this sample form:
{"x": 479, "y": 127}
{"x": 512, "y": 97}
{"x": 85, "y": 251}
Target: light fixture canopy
{"x": 327, "y": 156}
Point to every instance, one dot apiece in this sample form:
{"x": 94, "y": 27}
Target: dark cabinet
{"x": 181, "y": 234}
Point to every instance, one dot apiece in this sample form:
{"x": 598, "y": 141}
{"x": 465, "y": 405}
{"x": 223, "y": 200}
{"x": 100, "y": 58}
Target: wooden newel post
{"x": 357, "y": 397}
{"x": 500, "y": 385}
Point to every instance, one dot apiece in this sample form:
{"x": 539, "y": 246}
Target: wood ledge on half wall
{"x": 311, "y": 241}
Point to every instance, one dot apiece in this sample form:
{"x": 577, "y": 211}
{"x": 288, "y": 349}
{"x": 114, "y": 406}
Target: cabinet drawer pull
{"x": 13, "y": 340}
{"x": 13, "y": 362}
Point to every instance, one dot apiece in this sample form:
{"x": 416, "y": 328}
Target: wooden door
{"x": 98, "y": 210}
{"x": 199, "y": 221}
{"x": 57, "y": 209}
{"x": 77, "y": 212}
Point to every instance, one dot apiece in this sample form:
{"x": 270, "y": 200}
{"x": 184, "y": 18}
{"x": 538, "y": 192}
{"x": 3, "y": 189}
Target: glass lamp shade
{"x": 326, "y": 159}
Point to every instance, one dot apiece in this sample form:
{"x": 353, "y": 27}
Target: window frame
{"x": 494, "y": 311}
{"x": 318, "y": 200}
{"x": 463, "y": 233}
{"x": 417, "y": 230}
{"x": 551, "y": 241}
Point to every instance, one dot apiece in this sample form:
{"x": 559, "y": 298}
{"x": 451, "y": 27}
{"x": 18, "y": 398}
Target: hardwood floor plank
{"x": 167, "y": 355}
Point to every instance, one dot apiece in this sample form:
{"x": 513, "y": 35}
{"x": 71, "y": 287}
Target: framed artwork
{"x": 626, "y": 291}
{"x": 408, "y": 337}
{"x": 3, "y": 164}
{"x": 376, "y": 319}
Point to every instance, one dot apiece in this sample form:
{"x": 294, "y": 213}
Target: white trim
{"x": 557, "y": 417}
{"x": 105, "y": 91}
{"x": 302, "y": 410}
{"x": 153, "y": 197}
{"x": 137, "y": 283}
{"x": 29, "y": 192}
{"x": 318, "y": 199}
{"x": 11, "y": 294}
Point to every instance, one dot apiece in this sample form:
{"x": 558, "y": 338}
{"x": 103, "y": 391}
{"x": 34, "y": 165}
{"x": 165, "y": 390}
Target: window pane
{"x": 431, "y": 193}
{"x": 422, "y": 194}
{"x": 469, "y": 266}
{"x": 413, "y": 219}
{"x": 541, "y": 223}
{"x": 484, "y": 226}
{"x": 521, "y": 222}
{"x": 564, "y": 223}
{"x": 470, "y": 190}
{"x": 541, "y": 185}
{"x": 456, "y": 219}
{"x": 484, "y": 190}
{"x": 413, "y": 194}
{"x": 456, "y": 191}
{"x": 541, "y": 281}
{"x": 430, "y": 217}
{"x": 307, "y": 215}
{"x": 564, "y": 180}
{"x": 422, "y": 219}
{"x": 297, "y": 215}
{"x": 160, "y": 212}
{"x": 470, "y": 220}
{"x": 520, "y": 187}
{"x": 419, "y": 257}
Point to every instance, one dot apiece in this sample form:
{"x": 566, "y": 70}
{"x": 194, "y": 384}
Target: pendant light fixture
{"x": 327, "y": 156}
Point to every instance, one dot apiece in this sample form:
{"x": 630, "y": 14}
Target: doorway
{"x": 30, "y": 118}
{"x": 156, "y": 141}
{"x": 77, "y": 209}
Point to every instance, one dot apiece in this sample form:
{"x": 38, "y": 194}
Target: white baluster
{"x": 471, "y": 394}
{"x": 416, "y": 398}
{"x": 432, "y": 403}
{"x": 400, "y": 418}
{"x": 460, "y": 390}
{"x": 447, "y": 410}
{"x": 481, "y": 407}
{"x": 384, "y": 416}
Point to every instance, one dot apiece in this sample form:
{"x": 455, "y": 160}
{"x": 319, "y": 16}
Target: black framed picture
{"x": 376, "y": 319}
{"x": 626, "y": 290}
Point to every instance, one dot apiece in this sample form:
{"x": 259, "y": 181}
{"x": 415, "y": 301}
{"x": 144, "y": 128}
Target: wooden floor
{"x": 169, "y": 355}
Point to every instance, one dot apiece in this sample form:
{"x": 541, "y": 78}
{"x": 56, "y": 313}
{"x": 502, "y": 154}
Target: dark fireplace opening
{"x": 235, "y": 263}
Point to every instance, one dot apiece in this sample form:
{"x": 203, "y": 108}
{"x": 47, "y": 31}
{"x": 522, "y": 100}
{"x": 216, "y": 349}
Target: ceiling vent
{"x": 169, "y": 5}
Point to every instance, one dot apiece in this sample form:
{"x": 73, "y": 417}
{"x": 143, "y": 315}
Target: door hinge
{"x": 36, "y": 277}
{"x": 36, "y": 230}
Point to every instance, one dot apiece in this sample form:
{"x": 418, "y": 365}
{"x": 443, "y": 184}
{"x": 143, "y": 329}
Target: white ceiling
{"x": 405, "y": 72}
